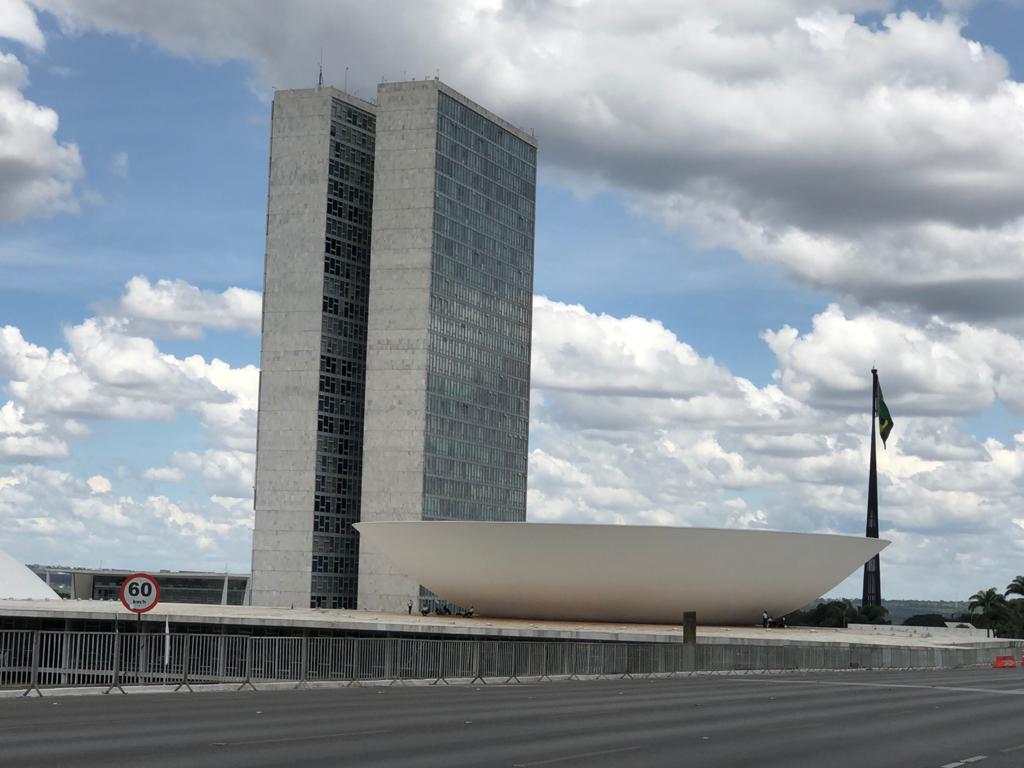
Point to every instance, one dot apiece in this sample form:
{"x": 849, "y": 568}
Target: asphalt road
{"x": 839, "y": 720}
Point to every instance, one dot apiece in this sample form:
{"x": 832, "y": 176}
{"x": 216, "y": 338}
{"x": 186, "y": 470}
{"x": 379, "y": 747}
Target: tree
{"x": 925, "y": 620}
{"x": 1015, "y": 587}
{"x": 988, "y": 601}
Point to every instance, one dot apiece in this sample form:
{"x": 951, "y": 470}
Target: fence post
{"x": 34, "y": 678}
{"x": 116, "y": 682}
{"x": 544, "y": 663}
{"x": 185, "y": 660}
{"x": 476, "y": 664}
{"x": 355, "y": 663}
{"x": 303, "y": 679}
{"x": 515, "y": 652}
{"x": 248, "y": 664}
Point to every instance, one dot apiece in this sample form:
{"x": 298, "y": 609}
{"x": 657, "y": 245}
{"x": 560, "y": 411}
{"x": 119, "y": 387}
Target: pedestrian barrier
{"x": 34, "y": 660}
{"x": 1004, "y": 662}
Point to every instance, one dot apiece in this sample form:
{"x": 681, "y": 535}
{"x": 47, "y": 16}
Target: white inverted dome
{"x": 17, "y": 582}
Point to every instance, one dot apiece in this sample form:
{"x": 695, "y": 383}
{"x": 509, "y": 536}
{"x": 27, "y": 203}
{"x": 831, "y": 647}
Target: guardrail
{"x": 38, "y": 659}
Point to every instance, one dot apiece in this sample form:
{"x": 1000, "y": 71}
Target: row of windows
{"x": 478, "y": 473}
{"x": 335, "y": 505}
{"x": 486, "y": 204}
{"x": 489, "y": 312}
{"x": 345, "y": 289}
{"x": 352, "y": 156}
{"x": 349, "y": 310}
{"x": 449, "y": 448}
{"x": 511, "y": 359}
{"x": 477, "y": 279}
{"x": 444, "y": 406}
{"x": 478, "y": 376}
{"x": 502, "y": 265}
{"x": 350, "y": 193}
{"x": 489, "y": 129}
{"x": 332, "y": 425}
{"x": 490, "y": 189}
{"x": 323, "y": 523}
{"x": 353, "y": 116}
{"x": 340, "y": 446}
{"x": 478, "y": 145}
{"x": 347, "y": 212}
{"x": 435, "y": 508}
{"x": 347, "y": 261}
{"x": 339, "y": 170}
{"x": 352, "y": 350}
{"x": 491, "y": 338}
{"x": 339, "y": 366}
{"x": 334, "y": 593}
{"x": 450, "y": 166}
{"x": 352, "y": 136}
{"x": 353, "y": 233}
{"x": 472, "y": 236}
{"x": 344, "y": 466}
{"x": 329, "y": 564}
{"x": 338, "y": 486}
{"x": 446, "y": 386}
{"x": 478, "y": 492}
{"x": 474, "y": 294}
{"x": 461, "y": 430}
{"x": 339, "y": 406}
{"x": 481, "y": 224}
{"x": 495, "y": 164}
{"x": 346, "y": 329}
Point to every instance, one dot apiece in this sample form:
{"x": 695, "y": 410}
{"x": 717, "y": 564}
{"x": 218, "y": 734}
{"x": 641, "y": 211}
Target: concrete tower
{"x": 448, "y": 345}
{"x": 401, "y": 391}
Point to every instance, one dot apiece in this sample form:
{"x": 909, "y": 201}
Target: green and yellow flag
{"x": 884, "y": 419}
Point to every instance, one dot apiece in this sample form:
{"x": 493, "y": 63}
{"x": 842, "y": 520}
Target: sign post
{"x": 139, "y": 593}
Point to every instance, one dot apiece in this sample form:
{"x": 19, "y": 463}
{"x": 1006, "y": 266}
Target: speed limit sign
{"x": 140, "y": 592}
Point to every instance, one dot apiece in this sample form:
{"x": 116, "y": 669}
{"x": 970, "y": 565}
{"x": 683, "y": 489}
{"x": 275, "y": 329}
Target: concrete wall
{"x": 398, "y": 336}
{"x": 290, "y": 355}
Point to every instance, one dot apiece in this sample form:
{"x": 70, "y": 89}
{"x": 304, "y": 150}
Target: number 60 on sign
{"x": 140, "y": 592}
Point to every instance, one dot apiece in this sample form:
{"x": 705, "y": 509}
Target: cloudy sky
{"x": 743, "y": 205}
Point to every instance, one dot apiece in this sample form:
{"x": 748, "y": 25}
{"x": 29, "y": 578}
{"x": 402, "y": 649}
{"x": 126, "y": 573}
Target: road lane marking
{"x": 791, "y": 727}
{"x": 965, "y": 761}
{"x": 957, "y": 689}
{"x": 580, "y": 756}
{"x": 1013, "y": 749}
{"x": 297, "y": 738}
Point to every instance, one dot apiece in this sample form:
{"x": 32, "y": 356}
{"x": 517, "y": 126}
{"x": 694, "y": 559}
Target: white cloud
{"x": 107, "y": 373}
{"x": 939, "y": 368}
{"x": 21, "y": 440}
{"x": 18, "y": 22}
{"x": 180, "y": 309}
{"x": 786, "y": 130}
{"x": 99, "y": 484}
{"x": 165, "y": 474}
{"x": 37, "y": 172}
{"x": 792, "y": 456}
{"x": 52, "y": 512}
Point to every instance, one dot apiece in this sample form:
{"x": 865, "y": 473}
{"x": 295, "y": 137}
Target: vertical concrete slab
{"x": 290, "y": 353}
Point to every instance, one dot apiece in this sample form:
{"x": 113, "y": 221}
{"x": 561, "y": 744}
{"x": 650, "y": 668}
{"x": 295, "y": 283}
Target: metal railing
{"x": 37, "y": 659}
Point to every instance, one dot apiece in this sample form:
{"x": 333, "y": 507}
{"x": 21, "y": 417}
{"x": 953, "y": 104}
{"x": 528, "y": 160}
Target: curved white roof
{"x": 17, "y": 582}
{"x": 638, "y": 574}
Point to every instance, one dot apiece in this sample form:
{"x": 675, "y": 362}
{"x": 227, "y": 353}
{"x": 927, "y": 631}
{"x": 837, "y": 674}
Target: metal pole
{"x": 34, "y": 678}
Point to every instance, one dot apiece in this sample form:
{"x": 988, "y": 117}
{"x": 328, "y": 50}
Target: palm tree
{"x": 1015, "y": 587}
{"x": 989, "y": 601}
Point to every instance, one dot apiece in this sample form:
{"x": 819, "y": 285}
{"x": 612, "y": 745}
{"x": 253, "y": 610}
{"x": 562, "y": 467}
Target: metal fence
{"x": 36, "y": 659}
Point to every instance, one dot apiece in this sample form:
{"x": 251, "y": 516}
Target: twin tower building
{"x": 397, "y": 314}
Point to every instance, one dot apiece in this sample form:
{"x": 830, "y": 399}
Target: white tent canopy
{"x": 17, "y": 582}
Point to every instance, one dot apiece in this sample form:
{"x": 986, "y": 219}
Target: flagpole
{"x": 872, "y": 569}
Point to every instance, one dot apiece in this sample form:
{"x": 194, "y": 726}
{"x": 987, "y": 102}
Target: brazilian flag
{"x": 884, "y": 419}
